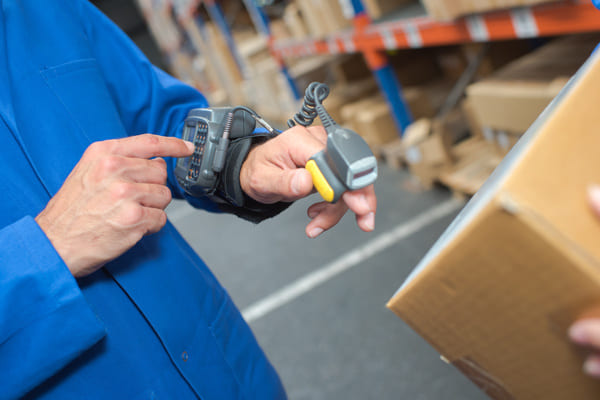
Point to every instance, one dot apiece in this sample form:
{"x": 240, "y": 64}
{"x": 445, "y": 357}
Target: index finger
{"x": 150, "y": 146}
{"x": 301, "y": 144}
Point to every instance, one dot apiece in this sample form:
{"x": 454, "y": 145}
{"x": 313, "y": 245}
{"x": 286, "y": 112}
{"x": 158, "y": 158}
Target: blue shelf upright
{"x": 384, "y": 73}
{"x": 261, "y": 23}
{"x": 216, "y": 14}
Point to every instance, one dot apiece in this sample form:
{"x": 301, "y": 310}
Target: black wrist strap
{"x": 229, "y": 194}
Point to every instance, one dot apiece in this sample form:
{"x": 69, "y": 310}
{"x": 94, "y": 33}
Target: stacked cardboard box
{"x": 507, "y": 103}
{"x": 371, "y": 117}
{"x": 265, "y": 89}
{"x": 292, "y": 18}
{"x": 378, "y": 8}
{"x": 435, "y": 151}
{"x": 450, "y": 9}
{"x": 322, "y": 17}
{"x": 496, "y": 294}
{"x": 213, "y": 85}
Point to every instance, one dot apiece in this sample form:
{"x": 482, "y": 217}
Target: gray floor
{"x": 337, "y": 341}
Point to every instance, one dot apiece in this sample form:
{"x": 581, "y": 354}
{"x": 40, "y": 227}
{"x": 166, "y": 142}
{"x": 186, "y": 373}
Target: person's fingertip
{"x": 301, "y": 183}
{"x": 191, "y": 147}
{"x": 592, "y": 367}
{"x": 594, "y": 195}
{"x": 579, "y": 333}
{"x": 369, "y": 222}
{"x": 314, "y": 232}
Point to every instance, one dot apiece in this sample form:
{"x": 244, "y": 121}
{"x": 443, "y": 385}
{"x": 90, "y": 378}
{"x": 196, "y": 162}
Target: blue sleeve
{"x": 45, "y": 322}
{"x": 148, "y": 99}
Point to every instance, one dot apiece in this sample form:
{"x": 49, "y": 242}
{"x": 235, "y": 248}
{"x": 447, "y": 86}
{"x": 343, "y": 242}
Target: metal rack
{"x": 409, "y": 29}
{"x": 373, "y": 39}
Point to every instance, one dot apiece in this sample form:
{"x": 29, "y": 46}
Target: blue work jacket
{"x": 152, "y": 324}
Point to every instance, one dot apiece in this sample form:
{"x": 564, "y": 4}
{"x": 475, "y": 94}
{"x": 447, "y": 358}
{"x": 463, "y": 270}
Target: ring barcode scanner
{"x": 347, "y": 163}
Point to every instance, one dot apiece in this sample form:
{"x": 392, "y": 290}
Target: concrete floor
{"x": 336, "y": 341}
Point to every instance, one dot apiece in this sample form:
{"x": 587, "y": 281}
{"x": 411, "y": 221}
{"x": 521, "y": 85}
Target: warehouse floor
{"x": 318, "y": 306}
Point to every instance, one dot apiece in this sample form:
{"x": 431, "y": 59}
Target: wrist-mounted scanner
{"x": 347, "y": 163}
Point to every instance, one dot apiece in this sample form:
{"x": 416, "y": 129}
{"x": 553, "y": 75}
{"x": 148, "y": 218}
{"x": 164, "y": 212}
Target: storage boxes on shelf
{"x": 510, "y": 100}
{"x": 322, "y": 17}
{"x": 379, "y": 8}
{"x": 450, "y": 9}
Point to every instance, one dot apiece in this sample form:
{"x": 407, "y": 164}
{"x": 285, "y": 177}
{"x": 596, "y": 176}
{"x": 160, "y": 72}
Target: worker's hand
{"x": 114, "y": 196}
{"x": 274, "y": 171}
{"x": 586, "y": 332}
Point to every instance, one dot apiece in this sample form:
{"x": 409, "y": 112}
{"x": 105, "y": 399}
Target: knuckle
{"x": 162, "y": 218}
{"x": 158, "y": 221}
{"x": 109, "y": 164}
{"x": 121, "y": 190}
{"x": 318, "y": 131}
{"x": 162, "y": 174}
{"x": 161, "y": 163}
{"x": 150, "y": 141}
{"x": 258, "y": 185}
{"x": 166, "y": 194}
{"x": 95, "y": 149}
{"x": 293, "y": 132}
{"x": 133, "y": 214}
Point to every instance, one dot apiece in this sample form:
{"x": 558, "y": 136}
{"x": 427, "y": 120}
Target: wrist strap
{"x": 229, "y": 194}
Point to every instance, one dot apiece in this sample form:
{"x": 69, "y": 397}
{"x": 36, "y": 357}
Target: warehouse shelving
{"x": 419, "y": 30}
{"x": 410, "y": 28}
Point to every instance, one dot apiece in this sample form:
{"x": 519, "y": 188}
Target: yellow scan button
{"x": 323, "y": 187}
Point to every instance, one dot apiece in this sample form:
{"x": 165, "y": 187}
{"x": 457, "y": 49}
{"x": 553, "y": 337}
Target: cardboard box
{"x": 294, "y": 21}
{"x": 375, "y": 124}
{"x": 426, "y": 151}
{"x": 477, "y": 159}
{"x": 322, "y": 16}
{"x": 450, "y": 9}
{"x": 497, "y": 292}
{"x": 423, "y": 101}
{"x": 378, "y": 8}
{"x": 514, "y": 96}
{"x": 474, "y": 124}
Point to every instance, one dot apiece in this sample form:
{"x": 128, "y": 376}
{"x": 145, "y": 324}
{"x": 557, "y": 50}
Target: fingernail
{"x": 315, "y": 232}
{"x": 592, "y": 367}
{"x": 579, "y": 333}
{"x": 296, "y": 184}
{"x": 190, "y": 145}
{"x": 364, "y": 202}
{"x": 594, "y": 194}
{"x": 370, "y": 221}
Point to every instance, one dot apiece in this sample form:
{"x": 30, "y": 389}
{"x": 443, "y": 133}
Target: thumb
{"x": 594, "y": 198}
{"x": 276, "y": 184}
{"x": 586, "y": 332}
{"x": 294, "y": 184}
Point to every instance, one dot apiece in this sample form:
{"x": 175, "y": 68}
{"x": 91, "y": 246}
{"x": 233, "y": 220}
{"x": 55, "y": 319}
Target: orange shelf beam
{"x": 527, "y": 22}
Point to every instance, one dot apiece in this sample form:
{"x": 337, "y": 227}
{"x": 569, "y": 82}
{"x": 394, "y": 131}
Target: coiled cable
{"x": 314, "y": 95}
